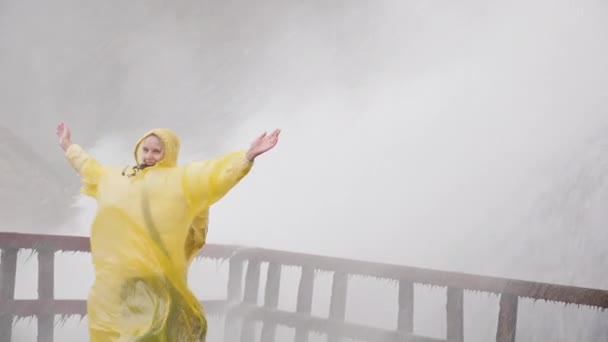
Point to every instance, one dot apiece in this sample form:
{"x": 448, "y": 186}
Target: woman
{"x": 150, "y": 223}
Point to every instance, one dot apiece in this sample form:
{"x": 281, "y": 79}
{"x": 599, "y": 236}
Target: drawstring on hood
{"x": 133, "y": 170}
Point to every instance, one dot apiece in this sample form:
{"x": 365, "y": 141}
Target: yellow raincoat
{"x": 149, "y": 225}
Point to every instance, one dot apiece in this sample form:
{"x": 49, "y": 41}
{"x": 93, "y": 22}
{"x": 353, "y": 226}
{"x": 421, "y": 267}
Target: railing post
{"x": 455, "y": 315}
{"x": 337, "y": 307}
{"x": 252, "y": 282}
{"x": 405, "y": 316}
{"x": 271, "y": 299}
{"x": 507, "y": 318}
{"x": 235, "y": 280}
{"x": 8, "y": 274}
{"x": 252, "y": 287}
{"x": 235, "y": 289}
{"x": 46, "y": 291}
{"x": 304, "y": 305}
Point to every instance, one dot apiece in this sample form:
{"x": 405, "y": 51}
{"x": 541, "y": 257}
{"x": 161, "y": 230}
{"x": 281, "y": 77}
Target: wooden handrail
{"x": 457, "y": 280}
{"x": 66, "y": 243}
{"x": 68, "y": 307}
{"x": 509, "y": 290}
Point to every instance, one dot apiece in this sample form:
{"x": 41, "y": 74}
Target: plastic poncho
{"x": 149, "y": 225}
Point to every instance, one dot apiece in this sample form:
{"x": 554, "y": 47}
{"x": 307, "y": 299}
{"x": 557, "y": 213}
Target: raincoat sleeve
{"x": 89, "y": 169}
{"x": 206, "y": 182}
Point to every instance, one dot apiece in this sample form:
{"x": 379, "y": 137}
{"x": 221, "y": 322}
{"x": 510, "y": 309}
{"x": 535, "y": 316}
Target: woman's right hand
{"x": 64, "y": 135}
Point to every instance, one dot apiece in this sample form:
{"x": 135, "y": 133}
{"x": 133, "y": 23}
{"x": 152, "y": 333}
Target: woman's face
{"x": 152, "y": 150}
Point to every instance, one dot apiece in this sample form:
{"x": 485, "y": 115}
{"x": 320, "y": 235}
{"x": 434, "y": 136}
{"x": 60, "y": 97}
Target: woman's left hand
{"x": 262, "y": 144}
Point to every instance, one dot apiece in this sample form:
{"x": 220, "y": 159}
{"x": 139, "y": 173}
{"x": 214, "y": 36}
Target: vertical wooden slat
{"x": 455, "y": 315}
{"x": 271, "y": 299}
{"x": 8, "y": 274}
{"x": 252, "y": 287}
{"x": 405, "y": 316}
{"x": 337, "y": 307}
{"x": 252, "y": 282}
{"x": 507, "y": 318}
{"x": 235, "y": 291}
{"x": 231, "y": 328}
{"x": 304, "y": 304}
{"x": 46, "y": 290}
{"x": 235, "y": 280}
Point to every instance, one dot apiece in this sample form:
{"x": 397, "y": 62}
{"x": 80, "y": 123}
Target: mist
{"x": 464, "y": 136}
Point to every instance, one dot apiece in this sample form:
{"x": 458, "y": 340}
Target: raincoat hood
{"x": 171, "y": 144}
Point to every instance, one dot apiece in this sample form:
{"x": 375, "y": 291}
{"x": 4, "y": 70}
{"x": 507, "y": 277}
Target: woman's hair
{"x": 156, "y": 136}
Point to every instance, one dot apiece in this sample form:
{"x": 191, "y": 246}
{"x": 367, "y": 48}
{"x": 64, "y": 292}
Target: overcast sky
{"x": 463, "y": 136}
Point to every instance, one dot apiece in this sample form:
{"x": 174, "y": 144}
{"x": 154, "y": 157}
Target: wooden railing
{"x": 241, "y": 307}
